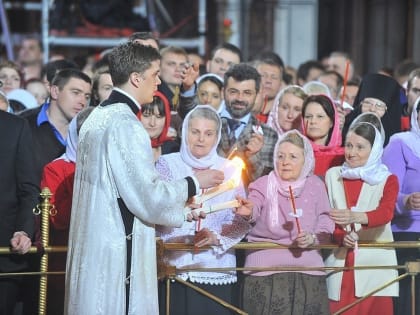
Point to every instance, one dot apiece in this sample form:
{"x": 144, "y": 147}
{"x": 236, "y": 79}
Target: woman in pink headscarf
{"x": 321, "y": 124}
{"x": 286, "y": 113}
{"x": 302, "y": 223}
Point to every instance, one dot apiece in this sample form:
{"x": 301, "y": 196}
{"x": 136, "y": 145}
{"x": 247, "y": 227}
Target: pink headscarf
{"x": 335, "y": 139}
{"x": 273, "y": 116}
{"x": 276, "y": 186}
{"x": 282, "y": 186}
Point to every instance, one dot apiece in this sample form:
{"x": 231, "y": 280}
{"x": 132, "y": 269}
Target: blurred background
{"x": 377, "y": 34}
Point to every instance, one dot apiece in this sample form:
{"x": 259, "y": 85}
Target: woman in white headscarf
{"x": 402, "y": 156}
{"x": 273, "y": 218}
{"x": 362, "y": 193}
{"x": 219, "y": 230}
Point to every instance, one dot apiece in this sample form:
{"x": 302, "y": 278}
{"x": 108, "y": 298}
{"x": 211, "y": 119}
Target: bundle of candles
{"x": 232, "y": 183}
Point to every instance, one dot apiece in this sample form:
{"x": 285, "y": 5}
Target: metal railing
{"x": 168, "y": 272}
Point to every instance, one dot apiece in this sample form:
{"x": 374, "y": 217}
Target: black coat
{"x": 19, "y": 190}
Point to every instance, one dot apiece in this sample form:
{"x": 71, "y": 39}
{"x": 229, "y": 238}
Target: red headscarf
{"x": 157, "y": 142}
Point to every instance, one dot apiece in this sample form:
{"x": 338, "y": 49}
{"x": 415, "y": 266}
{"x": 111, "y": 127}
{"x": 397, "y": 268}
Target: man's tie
{"x": 233, "y": 125}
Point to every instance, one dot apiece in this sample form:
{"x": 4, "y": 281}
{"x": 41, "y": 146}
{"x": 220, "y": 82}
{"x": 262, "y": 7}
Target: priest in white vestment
{"x": 119, "y": 197}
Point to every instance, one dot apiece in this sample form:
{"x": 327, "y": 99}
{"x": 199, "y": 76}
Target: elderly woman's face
{"x": 290, "y": 160}
{"x": 289, "y": 112}
{"x": 357, "y": 150}
{"x": 202, "y": 136}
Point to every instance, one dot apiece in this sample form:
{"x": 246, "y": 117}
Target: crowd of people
{"x": 132, "y": 145}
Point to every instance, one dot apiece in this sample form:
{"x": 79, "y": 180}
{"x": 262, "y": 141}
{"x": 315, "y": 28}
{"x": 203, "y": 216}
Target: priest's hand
{"x": 20, "y": 243}
{"x": 209, "y": 178}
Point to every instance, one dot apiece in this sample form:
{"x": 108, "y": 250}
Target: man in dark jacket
{"x": 19, "y": 195}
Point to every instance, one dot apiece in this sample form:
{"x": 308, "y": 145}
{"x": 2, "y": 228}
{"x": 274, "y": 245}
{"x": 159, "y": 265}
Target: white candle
{"x": 217, "y": 190}
{"x": 232, "y": 183}
{"x": 213, "y": 208}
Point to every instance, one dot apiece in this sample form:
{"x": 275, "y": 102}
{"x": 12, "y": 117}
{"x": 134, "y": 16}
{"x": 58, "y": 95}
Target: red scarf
{"x": 163, "y": 137}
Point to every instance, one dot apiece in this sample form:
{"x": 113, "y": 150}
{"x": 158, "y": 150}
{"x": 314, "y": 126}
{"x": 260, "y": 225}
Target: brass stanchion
{"x": 44, "y": 209}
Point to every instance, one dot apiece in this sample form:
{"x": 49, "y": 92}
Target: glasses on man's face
{"x": 368, "y": 105}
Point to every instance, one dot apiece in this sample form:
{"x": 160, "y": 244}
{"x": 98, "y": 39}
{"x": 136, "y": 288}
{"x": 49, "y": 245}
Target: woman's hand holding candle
{"x": 244, "y": 209}
{"x": 205, "y": 237}
{"x": 350, "y": 240}
{"x": 305, "y": 239}
{"x": 194, "y": 215}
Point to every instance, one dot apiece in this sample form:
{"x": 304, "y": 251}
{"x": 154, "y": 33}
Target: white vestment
{"x": 115, "y": 160}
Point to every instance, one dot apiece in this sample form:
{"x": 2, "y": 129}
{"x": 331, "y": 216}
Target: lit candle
{"x": 217, "y": 190}
{"x": 232, "y": 183}
{"x": 232, "y": 152}
{"x": 213, "y": 208}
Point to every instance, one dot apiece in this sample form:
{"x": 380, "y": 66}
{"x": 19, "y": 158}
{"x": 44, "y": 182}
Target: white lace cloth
{"x": 228, "y": 227}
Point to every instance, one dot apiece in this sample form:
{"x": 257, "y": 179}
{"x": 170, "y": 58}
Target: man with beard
{"x": 242, "y": 134}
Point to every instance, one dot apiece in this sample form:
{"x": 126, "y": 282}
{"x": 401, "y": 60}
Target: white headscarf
{"x": 412, "y": 138}
{"x": 316, "y": 87}
{"x": 373, "y": 172}
{"x": 211, "y": 158}
{"x": 72, "y": 138}
{"x": 368, "y": 117}
{"x": 209, "y": 75}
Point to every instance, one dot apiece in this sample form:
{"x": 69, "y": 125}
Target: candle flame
{"x": 232, "y": 152}
{"x": 239, "y": 165}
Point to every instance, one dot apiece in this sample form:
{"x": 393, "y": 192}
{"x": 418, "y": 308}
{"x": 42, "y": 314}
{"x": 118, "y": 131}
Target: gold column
{"x": 44, "y": 209}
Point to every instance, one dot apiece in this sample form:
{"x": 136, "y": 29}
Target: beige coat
{"x": 365, "y": 280}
